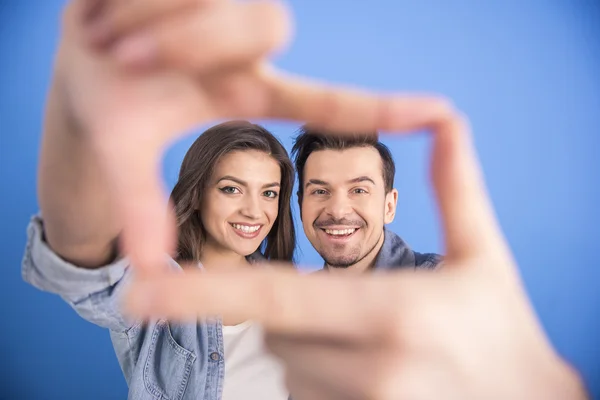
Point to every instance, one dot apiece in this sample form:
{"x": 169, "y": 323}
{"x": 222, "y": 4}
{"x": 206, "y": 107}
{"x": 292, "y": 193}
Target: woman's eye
{"x": 271, "y": 194}
{"x": 229, "y": 190}
{"x": 320, "y": 192}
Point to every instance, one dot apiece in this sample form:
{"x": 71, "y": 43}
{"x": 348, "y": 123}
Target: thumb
{"x": 133, "y": 171}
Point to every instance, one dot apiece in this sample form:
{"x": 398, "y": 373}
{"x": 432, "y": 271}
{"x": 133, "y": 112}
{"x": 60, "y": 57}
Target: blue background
{"x": 526, "y": 72}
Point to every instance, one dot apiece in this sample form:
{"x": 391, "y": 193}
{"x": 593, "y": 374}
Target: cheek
{"x": 371, "y": 210}
{"x": 309, "y": 213}
{"x": 272, "y": 211}
{"x": 216, "y": 210}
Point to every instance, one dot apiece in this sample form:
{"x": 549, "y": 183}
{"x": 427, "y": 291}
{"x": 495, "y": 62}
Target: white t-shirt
{"x": 250, "y": 372}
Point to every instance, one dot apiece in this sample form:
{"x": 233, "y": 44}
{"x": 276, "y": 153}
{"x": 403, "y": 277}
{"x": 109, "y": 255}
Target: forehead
{"x": 339, "y": 166}
{"x": 248, "y": 165}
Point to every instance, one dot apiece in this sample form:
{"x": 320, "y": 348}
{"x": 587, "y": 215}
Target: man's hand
{"x": 136, "y": 75}
{"x": 466, "y": 331}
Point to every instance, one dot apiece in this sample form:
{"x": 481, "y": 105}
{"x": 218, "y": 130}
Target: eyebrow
{"x": 316, "y": 182}
{"x": 360, "y": 179}
{"x": 244, "y": 183}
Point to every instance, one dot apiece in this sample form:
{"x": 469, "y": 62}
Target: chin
{"x": 246, "y": 250}
{"x": 341, "y": 261}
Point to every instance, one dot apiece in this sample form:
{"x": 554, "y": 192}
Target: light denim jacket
{"x": 159, "y": 360}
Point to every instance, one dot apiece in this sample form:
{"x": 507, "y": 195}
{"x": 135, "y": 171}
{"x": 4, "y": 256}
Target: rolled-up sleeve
{"x": 95, "y": 294}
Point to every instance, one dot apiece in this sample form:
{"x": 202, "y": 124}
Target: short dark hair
{"x": 196, "y": 170}
{"x": 310, "y": 139}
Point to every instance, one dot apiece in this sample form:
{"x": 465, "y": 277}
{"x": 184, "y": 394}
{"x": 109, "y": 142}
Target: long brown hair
{"x": 195, "y": 174}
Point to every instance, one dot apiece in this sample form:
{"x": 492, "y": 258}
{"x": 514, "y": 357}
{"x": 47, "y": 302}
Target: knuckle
{"x": 445, "y": 103}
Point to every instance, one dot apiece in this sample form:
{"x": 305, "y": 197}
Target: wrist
{"x": 574, "y": 387}
{"x": 562, "y": 382}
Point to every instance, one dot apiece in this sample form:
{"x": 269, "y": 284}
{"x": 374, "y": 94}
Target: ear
{"x": 391, "y": 200}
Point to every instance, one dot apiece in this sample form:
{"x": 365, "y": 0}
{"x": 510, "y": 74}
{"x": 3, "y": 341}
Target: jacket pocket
{"x": 168, "y": 365}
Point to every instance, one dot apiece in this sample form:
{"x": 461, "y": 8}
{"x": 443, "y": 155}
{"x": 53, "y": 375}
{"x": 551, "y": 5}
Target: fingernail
{"x": 136, "y": 51}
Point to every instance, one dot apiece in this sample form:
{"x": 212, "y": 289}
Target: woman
{"x": 232, "y": 202}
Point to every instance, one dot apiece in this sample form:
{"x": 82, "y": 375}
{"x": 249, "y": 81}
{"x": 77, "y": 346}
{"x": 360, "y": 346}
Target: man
{"x": 346, "y": 196}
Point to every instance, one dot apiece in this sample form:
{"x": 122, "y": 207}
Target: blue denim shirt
{"x": 160, "y": 360}
{"x": 396, "y": 254}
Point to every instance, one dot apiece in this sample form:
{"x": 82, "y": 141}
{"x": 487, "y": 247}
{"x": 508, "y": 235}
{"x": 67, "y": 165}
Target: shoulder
{"x": 427, "y": 260}
{"x": 396, "y": 253}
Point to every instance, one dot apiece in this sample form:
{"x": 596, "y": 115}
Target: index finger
{"x": 341, "y": 109}
{"x": 148, "y": 225}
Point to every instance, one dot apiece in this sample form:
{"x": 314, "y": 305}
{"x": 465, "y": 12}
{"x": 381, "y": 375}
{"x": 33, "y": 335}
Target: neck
{"x": 214, "y": 259}
{"x": 364, "y": 264}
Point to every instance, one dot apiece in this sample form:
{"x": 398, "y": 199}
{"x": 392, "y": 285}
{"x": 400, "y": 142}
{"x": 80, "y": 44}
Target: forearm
{"x": 79, "y": 221}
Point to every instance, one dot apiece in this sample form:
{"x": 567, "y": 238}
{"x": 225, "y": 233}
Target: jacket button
{"x": 215, "y": 356}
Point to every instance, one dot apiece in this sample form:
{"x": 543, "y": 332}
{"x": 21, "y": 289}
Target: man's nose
{"x": 338, "y": 206}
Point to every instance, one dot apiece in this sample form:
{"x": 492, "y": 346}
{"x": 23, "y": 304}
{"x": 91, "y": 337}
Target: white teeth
{"x": 246, "y": 228}
{"x": 340, "y": 232}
